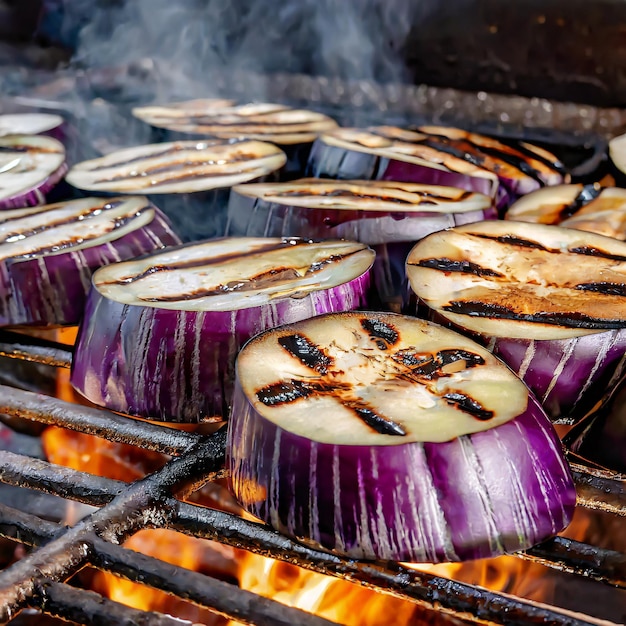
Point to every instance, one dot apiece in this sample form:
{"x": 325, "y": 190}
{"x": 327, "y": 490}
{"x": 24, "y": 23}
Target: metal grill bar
{"x": 34, "y": 350}
{"x": 87, "y": 607}
{"x": 423, "y": 588}
{"x": 222, "y": 597}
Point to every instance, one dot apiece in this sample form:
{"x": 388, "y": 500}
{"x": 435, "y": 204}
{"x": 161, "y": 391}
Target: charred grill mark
{"x": 425, "y": 198}
{"x": 175, "y": 149}
{"x": 294, "y": 390}
{"x": 468, "y": 405}
{"x": 514, "y": 241}
{"x": 465, "y": 267}
{"x": 284, "y": 392}
{"x": 568, "y": 319}
{"x": 143, "y": 181}
{"x": 308, "y": 353}
{"x": 591, "y": 251}
{"x": 609, "y": 289}
{"x": 383, "y": 334}
{"x": 28, "y": 149}
{"x": 514, "y": 155}
{"x": 588, "y": 194}
{"x": 555, "y": 165}
{"x": 431, "y": 367}
{"x": 383, "y": 425}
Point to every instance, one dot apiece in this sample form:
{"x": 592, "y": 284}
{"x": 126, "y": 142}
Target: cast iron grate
{"x": 39, "y": 579}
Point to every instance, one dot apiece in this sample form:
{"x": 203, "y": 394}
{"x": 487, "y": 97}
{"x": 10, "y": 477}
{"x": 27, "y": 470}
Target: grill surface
{"x": 37, "y": 580}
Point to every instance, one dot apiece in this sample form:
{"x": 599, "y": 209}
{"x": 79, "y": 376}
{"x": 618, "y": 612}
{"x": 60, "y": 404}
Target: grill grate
{"x": 38, "y": 580}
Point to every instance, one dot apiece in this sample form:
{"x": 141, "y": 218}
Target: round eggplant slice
{"x": 30, "y": 166}
{"x": 551, "y": 300}
{"x": 275, "y": 123}
{"x": 382, "y": 436}
{"x": 435, "y": 155}
{"x": 591, "y": 208}
{"x": 48, "y": 254}
{"x": 389, "y": 216}
{"x": 189, "y": 180}
{"x": 161, "y": 333}
{"x": 30, "y": 124}
{"x": 294, "y": 130}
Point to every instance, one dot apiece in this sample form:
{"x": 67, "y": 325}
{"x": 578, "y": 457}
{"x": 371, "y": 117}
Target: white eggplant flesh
{"x": 436, "y": 155}
{"x": 381, "y": 436}
{"x": 189, "y": 180}
{"x": 31, "y": 124}
{"x": 276, "y": 123}
{"x": 551, "y": 301}
{"x": 48, "y": 253}
{"x": 387, "y": 215}
{"x": 592, "y": 208}
{"x": 161, "y": 333}
{"x": 30, "y": 166}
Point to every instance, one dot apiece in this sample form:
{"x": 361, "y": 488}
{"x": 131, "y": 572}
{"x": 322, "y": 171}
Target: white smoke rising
{"x": 193, "y": 41}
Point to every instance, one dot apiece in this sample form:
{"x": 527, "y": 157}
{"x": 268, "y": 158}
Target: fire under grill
{"x": 39, "y": 579}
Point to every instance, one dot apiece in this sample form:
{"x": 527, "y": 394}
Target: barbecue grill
{"x": 94, "y": 102}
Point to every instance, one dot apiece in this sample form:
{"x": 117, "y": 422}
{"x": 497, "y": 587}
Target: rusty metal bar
{"x": 34, "y": 349}
{"x": 92, "y": 421}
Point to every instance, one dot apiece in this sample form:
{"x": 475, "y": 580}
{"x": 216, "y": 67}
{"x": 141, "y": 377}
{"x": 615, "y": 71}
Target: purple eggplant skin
{"x": 36, "y": 196}
{"x": 568, "y": 376}
{"x": 51, "y": 290}
{"x": 178, "y": 366}
{"x": 476, "y": 496}
{"x": 334, "y": 162}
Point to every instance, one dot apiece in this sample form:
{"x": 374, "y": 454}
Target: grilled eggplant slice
{"x": 161, "y": 333}
{"x": 551, "y": 299}
{"x": 48, "y": 254}
{"x": 30, "y": 166}
{"x": 382, "y": 436}
{"x": 189, "y": 180}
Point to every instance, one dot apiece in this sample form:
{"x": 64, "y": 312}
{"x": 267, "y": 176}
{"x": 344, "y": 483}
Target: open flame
{"x": 332, "y": 598}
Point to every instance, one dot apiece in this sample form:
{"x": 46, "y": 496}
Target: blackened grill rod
{"x": 455, "y": 598}
{"x": 597, "y": 489}
{"x": 34, "y": 349}
{"x": 219, "y": 596}
{"x": 560, "y": 553}
{"x": 88, "y": 607}
{"x": 99, "y": 422}
{"x": 140, "y": 505}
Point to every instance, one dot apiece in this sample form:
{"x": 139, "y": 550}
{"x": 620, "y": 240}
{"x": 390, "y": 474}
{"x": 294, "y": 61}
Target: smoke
{"x": 191, "y": 42}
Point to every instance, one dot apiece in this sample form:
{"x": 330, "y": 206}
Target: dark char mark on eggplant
{"x": 174, "y": 149}
{"x": 515, "y": 241}
{"x": 591, "y": 251}
{"x": 587, "y": 194}
{"x": 429, "y": 198}
{"x": 294, "y": 390}
{"x": 571, "y": 319}
{"x": 431, "y": 366}
{"x": 450, "y": 265}
{"x": 609, "y": 289}
{"x": 468, "y": 405}
{"x": 308, "y": 353}
{"x": 512, "y": 155}
{"x": 383, "y": 334}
